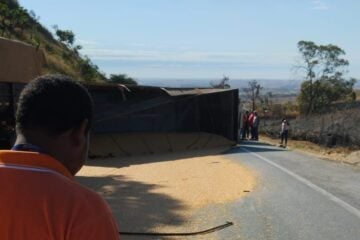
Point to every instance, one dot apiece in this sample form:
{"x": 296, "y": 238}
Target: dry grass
{"x": 55, "y": 63}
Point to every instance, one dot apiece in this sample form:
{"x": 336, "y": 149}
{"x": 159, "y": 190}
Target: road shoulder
{"x": 338, "y": 154}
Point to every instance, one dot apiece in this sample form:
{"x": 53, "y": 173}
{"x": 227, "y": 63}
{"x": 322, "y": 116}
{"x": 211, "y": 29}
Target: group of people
{"x": 250, "y": 129}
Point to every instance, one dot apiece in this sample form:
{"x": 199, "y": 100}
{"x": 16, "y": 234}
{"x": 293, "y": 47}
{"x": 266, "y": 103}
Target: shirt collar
{"x": 33, "y": 159}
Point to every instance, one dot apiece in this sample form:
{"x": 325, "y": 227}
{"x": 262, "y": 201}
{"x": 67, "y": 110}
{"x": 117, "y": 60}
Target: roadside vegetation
{"x": 324, "y": 82}
{"x": 327, "y": 109}
{"x": 122, "y": 79}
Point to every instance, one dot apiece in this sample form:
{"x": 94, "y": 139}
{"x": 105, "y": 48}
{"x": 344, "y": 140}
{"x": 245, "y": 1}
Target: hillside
{"x": 62, "y": 56}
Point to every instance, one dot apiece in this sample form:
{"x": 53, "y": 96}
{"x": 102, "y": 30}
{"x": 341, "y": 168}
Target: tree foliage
{"x": 122, "y": 79}
{"x": 65, "y": 36}
{"x": 323, "y": 68}
{"x": 4, "y": 18}
{"x": 89, "y": 71}
{"x": 19, "y": 18}
{"x": 11, "y": 3}
{"x": 12, "y": 18}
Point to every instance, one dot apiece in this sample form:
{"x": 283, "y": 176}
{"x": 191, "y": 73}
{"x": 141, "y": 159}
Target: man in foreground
{"x": 39, "y": 198}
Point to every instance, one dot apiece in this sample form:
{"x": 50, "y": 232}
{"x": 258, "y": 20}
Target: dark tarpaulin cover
{"x": 121, "y": 109}
{"x": 153, "y": 109}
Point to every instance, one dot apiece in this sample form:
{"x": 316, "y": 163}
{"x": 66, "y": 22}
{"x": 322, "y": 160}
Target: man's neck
{"x": 35, "y": 142}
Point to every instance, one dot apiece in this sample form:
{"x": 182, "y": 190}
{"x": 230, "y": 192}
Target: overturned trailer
{"x": 148, "y": 120}
{"x": 145, "y": 120}
{"x": 129, "y": 120}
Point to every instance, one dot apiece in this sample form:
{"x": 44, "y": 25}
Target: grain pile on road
{"x": 155, "y": 192}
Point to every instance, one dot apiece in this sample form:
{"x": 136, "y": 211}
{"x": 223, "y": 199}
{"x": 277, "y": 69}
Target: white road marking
{"x": 318, "y": 189}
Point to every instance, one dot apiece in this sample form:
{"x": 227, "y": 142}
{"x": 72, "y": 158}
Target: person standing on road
{"x": 245, "y": 130}
{"x": 284, "y": 132}
{"x": 39, "y": 198}
{"x": 250, "y": 124}
{"x": 256, "y": 123}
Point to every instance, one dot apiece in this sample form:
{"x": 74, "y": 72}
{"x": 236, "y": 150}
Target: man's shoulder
{"x": 71, "y": 192}
{"x": 90, "y": 194}
{"x": 84, "y": 194}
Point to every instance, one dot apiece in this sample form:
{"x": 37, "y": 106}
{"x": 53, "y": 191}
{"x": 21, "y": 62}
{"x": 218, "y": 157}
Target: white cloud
{"x": 141, "y": 60}
{"x": 179, "y": 56}
{"x": 319, "y": 5}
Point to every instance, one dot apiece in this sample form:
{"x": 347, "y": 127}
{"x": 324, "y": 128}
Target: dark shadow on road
{"x": 134, "y": 204}
{"x": 254, "y": 147}
{"x": 252, "y": 142}
{"x": 143, "y": 159}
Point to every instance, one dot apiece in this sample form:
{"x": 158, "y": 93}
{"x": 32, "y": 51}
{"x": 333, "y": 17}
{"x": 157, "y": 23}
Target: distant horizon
{"x": 293, "y": 84}
{"x": 219, "y": 78}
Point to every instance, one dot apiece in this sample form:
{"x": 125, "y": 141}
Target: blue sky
{"x": 194, "y": 39}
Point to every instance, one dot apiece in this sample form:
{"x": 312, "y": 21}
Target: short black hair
{"x": 54, "y": 103}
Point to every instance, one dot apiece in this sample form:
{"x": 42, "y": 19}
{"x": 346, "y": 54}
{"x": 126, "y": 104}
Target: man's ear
{"x": 79, "y": 133}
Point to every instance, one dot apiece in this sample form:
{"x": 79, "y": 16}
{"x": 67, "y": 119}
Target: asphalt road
{"x": 297, "y": 197}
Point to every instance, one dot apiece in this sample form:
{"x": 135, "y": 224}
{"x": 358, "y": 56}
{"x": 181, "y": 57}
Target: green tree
{"x": 4, "y": 18}
{"x": 89, "y": 71}
{"x": 122, "y": 79}
{"x": 11, "y": 3}
{"x": 323, "y": 68}
{"x": 12, "y": 18}
{"x": 65, "y": 36}
{"x": 19, "y": 18}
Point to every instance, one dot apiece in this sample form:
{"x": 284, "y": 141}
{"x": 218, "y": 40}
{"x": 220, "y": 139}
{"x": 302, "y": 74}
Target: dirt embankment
{"x": 162, "y": 192}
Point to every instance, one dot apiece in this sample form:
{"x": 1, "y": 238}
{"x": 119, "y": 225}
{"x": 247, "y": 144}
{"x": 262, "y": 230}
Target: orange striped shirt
{"x": 39, "y": 199}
